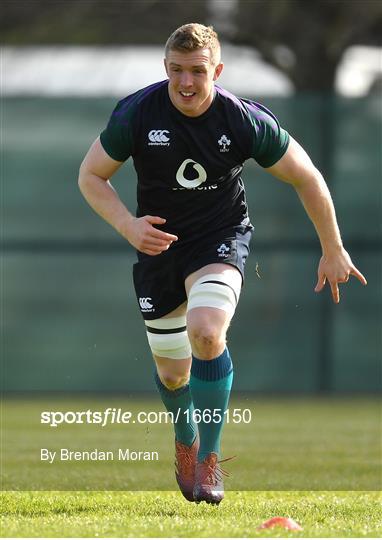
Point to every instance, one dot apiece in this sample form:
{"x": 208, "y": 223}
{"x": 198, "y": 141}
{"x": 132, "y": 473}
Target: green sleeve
{"x": 116, "y": 138}
{"x": 270, "y": 140}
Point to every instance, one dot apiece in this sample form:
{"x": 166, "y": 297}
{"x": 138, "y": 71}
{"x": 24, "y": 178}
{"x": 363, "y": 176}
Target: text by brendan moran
{"x": 121, "y": 454}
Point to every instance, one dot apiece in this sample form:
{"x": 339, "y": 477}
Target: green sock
{"x": 210, "y": 385}
{"x": 179, "y": 402}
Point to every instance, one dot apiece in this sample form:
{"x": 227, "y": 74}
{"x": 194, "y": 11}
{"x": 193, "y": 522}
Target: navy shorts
{"x": 159, "y": 280}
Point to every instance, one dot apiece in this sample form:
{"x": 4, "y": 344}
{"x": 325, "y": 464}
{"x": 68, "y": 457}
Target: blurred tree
{"x": 92, "y": 22}
{"x": 306, "y": 39}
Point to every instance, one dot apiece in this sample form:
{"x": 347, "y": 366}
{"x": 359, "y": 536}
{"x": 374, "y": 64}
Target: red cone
{"x": 286, "y": 523}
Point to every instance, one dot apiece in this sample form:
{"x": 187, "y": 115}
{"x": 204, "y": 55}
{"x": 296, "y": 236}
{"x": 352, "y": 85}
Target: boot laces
{"x": 215, "y": 473}
{"x": 184, "y": 462}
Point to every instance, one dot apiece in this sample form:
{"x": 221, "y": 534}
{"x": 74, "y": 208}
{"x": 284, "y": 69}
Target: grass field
{"x": 166, "y": 514}
{"x": 315, "y": 460}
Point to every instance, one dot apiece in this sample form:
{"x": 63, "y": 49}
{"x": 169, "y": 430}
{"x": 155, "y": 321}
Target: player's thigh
{"x": 221, "y": 291}
{"x": 174, "y": 370}
{"x": 214, "y": 268}
{"x": 177, "y": 312}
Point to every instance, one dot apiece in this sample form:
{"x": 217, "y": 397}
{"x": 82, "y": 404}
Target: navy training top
{"x": 189, "y": 168}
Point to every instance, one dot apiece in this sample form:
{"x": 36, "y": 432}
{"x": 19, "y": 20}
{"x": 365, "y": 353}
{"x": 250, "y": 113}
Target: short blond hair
{"x": 193, "y": 36}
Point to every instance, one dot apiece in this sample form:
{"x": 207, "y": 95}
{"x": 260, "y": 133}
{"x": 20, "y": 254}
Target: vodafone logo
{"x": 145, "y": 304}
{"x": 159, "y": 137}
{"x": 189, "y": 184}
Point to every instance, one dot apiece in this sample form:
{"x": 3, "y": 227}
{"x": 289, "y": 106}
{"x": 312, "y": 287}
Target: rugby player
{"x": 188, "y": 139}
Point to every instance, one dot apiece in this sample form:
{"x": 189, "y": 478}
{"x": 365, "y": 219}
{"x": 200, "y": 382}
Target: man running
{"x": 188, "y": 139}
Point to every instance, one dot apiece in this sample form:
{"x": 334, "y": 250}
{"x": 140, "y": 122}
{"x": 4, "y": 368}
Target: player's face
{"x": 191, "y": 80}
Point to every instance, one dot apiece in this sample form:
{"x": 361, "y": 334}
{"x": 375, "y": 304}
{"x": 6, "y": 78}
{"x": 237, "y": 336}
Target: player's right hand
{"x": 146, "y": 238}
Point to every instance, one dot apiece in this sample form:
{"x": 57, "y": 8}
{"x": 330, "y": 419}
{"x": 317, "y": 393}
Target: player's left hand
{"x": 336, "y": 267}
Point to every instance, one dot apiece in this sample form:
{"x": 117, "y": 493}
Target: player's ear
{"x": 165, "y": 65}
{"x": 218, "y": 70}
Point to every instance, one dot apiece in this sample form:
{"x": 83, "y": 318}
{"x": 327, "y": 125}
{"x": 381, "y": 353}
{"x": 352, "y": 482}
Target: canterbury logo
{"x": 145, "y": 304}
{"x": 158, "y": 137}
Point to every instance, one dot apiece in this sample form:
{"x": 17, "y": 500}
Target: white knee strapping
{"x": 219, "y": 291}
{"x": 168, "y": 337}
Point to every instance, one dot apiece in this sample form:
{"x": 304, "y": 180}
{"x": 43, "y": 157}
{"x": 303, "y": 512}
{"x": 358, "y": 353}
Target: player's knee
{"x": 206, "y": 340}
{"x": 207, "y": 336}
{"x": 173, "y": 381}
